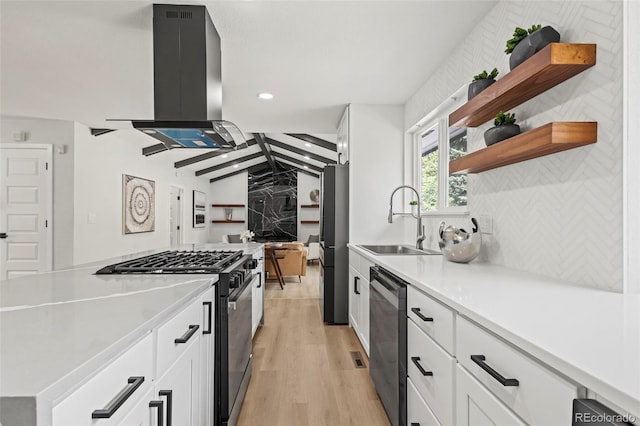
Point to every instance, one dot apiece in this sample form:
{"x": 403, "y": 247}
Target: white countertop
{"x": 591, "y": 336}
{"x": 58, "y": 327}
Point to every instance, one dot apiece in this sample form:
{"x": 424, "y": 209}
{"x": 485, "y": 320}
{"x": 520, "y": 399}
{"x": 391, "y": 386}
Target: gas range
{"x": 178, "y": 262}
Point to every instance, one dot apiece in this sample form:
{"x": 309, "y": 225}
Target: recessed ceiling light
{"x": 306, "y": 157}
{"x": 306, "y": 167}
{"x": 235, "y": 166}
{"x": 307, "y": 144}
{"x": 149, "y": 131}
{"x": 211, "y": 132}
{"x": 265, "y": 95}
{"x": 223, "y": 156}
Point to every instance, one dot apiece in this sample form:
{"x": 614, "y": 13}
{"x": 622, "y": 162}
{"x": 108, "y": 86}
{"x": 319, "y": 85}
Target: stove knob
{"x": 251, "y": 264}
{"x": 234, "y": 281}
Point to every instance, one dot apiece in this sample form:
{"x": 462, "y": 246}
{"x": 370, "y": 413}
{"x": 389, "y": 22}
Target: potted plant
{"x": 480, "y": 82}
{"x": 505, "y": 128}
{"x": 525, "y": 43}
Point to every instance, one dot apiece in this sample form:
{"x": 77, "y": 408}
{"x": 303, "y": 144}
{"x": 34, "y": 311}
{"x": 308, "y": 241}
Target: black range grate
{"x": 176, "y": 262}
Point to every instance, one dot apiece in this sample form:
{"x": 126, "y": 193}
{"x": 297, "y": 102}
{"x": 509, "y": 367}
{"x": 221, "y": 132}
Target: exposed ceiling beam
{"x": 228, "y": 163}
{"x": 235, "y": 172}
{"x": 153, "y": 149}
{"x": 297, "y": 162}
{"x": 98, "y": 132}
{"x": 259, "y": 137}
{"x": 299, "y": 151}
{"x": 314, "y": 140}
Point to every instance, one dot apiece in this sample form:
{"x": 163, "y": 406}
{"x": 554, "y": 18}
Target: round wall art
{"x": 138, "y": 204}
{"x": 315, "y": 195}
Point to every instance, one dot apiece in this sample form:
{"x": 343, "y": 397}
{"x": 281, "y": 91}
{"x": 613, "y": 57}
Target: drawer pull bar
{"x": 424, "y": 372}
{"x": 169, "y": 395}
{"x": 479, "y": 359}
{"x": 259, "y": 279}
{"x": 192, "y": 330}
{"x": 356, "y": 280}
{"x": 209, "y": 319}
{"x": 415, "y": 424}
{"x": 160, "y": 406}
{"x": 133, "y": 383}
{"x": 419, "y": 314}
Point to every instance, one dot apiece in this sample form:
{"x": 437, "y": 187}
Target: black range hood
{"x": 187, "y": 81}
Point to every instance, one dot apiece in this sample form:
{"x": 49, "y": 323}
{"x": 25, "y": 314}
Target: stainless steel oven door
{"x": 239, "y": 315}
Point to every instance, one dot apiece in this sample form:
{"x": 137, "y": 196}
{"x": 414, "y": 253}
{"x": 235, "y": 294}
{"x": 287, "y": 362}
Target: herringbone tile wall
{"x": 559, "y": 215}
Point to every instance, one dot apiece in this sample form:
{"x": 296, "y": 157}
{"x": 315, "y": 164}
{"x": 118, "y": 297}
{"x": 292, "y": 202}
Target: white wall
{"x": 306, "y": 184}
{"x": 375, "y": 151}
{"x": 54, "y": 132}
{"x": 232, "y": 190}
{"x": 100, "y": 163}
{"x": 559, "y": 215}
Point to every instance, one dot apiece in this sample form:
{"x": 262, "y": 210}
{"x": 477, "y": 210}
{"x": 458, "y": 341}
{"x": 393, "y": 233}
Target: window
{"x": 438, "y": 190}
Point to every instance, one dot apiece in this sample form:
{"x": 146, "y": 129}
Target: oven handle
{"x": 243, "y": 288}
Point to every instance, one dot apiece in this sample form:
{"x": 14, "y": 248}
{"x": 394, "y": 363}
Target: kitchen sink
{"x": 395, "y": 249}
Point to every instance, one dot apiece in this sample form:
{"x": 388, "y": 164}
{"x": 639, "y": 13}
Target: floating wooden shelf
{"x": 544, "y": 140}
{"x": 227, "y": 221}
{"x": 309, "y": 206}
{"x": 227, "y": 205}
{"x": 309, "y": 222}
{"x": 554, "y": 64}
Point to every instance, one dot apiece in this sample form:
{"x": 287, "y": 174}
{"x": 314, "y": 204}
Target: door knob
{"x": 3, "y": 235}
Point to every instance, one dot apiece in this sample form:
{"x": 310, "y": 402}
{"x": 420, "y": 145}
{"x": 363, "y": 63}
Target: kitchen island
{"x": 58, "y": 329}
{"x": 587, "y": 338}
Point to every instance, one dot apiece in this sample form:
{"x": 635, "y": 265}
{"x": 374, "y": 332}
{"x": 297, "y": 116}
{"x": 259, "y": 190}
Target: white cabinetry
{"x": 128, "y": 391}
{"x": 430, "y": 358}
{"x": 530, "y": 390}
{"x": 359, "y": 297}
{"x": 257, "y": 294}
{"x": 111, "y": 394}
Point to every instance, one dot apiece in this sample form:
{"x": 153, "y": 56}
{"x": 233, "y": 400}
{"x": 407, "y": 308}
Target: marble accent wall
{"x": 273, "y": 203}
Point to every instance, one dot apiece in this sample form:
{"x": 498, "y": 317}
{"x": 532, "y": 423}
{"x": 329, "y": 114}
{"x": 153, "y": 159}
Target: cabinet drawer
{"x": 117, "y": 382}
{"x": 475, "y": 405}
{"x": 178, "y": 327}
{"x": 539, "y": 396}
{"x": 363, "y": 268}
{"x": 435, "y": 319}
{"x": 436, "y": 389}
{"x": 418, "y": 412}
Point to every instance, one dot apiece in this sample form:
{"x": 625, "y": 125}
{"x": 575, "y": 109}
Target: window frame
{"x": 438, "y": 117}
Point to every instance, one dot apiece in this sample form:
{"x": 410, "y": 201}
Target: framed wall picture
{"x": 138, "y": 204}
{"x": 199, "y": 209}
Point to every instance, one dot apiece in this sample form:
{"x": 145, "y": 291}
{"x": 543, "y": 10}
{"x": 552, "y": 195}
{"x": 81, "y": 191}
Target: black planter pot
{"x": 478, "y": 86}
{"x": 500, "y": 133}
{"x": 532, "y": 44}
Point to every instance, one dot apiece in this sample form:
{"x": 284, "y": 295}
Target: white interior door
{"x": 175, "y": 215}
{"x": 25, "y": 210}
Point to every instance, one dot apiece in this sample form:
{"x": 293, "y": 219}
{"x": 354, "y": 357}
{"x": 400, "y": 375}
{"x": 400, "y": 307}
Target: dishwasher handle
{"x": 388, "y": 281}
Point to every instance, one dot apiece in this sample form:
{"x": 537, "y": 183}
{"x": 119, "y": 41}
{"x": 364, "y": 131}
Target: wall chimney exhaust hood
{"x": 187, "y": 81}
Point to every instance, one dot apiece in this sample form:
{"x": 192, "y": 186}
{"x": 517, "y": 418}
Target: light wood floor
{"x": 303, "y": 373}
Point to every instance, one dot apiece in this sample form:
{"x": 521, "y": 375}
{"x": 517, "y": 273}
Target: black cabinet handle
{"x": 260, "y": 278}
{"x": 192, "y": 330}
{"x": 160, "y": 406}
{"x": 209, "y": 320}
{"x": 356, "y": 290}
{"x": 479, "y": 359}
{"x": 133, "y": 383}
{"x": 415, "y": 424}
{"x": 415, "y": 360}
{"x": 419, "y": 314}
{"x": 169, "y": 395}
{"x": 3, "y": 235}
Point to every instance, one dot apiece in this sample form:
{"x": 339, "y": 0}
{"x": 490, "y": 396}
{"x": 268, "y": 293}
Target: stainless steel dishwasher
{"x": 388, "y": 340}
